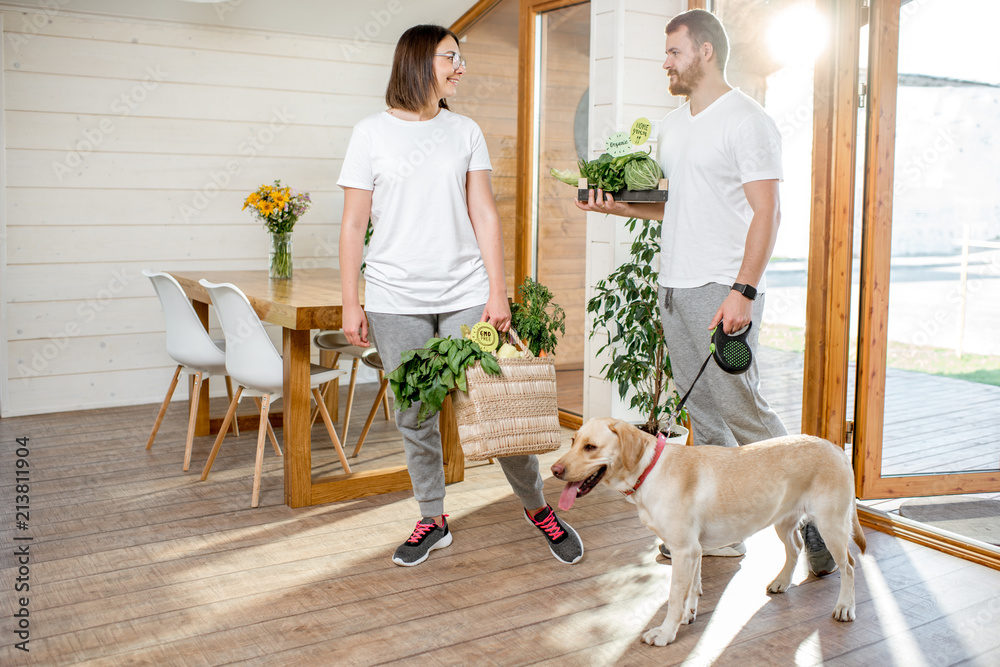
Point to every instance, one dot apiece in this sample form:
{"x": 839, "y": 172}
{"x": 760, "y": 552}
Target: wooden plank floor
{"x": 135, "y": 562}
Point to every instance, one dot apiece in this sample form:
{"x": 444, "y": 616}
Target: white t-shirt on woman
{"x": 423, "y": 256}
{"x": 707, "y": 159}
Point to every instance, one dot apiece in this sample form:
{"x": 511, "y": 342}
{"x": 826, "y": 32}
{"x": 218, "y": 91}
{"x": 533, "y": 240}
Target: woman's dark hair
{"x": 411, "y": 83}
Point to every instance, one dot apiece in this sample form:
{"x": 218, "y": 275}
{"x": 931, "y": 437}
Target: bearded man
{"x": 722, "y": 155}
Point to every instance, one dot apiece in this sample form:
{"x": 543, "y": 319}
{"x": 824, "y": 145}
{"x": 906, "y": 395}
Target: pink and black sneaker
{"x": 564, "y": 543}
{"x": 424, "y": 539}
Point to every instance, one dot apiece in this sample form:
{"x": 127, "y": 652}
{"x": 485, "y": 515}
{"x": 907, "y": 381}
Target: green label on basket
{"x": 618, "y": 144}
{"x": 640, "y": 131}
{"x": 484, "y": 335}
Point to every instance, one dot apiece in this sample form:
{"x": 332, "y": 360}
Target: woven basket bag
{"x": 510, "y": 414}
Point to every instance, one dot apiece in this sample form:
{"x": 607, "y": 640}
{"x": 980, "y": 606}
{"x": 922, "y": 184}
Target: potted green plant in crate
{"x": 624, "y": 307}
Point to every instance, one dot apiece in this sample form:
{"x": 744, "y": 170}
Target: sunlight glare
{"x": 744, "y": 596}
{"x": 797, "y": 35}
{"x": 895, "y": 627}
{"x": 810, "y": 651}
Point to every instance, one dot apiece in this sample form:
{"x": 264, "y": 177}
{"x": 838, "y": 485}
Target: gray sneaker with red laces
{"x": 425, "y": 538}
{"x": 563, "y": 541}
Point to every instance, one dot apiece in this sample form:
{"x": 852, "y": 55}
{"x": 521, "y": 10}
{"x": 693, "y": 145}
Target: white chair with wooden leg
{"x": 370, "y": 357}
{"x": 254, "y": 363}
{"x": 333, "y": 344}
{"x": 190, "y": 346}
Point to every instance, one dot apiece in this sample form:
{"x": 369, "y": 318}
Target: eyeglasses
{"x": 456, "y": 59}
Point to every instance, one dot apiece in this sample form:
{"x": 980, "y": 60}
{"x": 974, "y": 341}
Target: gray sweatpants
{"x": 394, "y": 334}
{"x": 725, "y": 409}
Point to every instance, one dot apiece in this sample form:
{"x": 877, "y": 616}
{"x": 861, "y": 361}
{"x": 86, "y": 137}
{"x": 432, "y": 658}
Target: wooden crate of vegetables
{"x": 633, "y": 178}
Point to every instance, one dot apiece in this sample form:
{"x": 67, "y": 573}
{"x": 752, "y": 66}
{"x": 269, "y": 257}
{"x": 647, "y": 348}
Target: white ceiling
{"x": 385, "y": 19}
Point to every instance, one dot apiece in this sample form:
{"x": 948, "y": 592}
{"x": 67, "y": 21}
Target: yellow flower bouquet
{"x": 278, "y": 208}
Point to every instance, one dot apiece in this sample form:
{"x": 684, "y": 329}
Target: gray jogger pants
{"x": 394, "y": 334}
{"x": 725, "y": 409}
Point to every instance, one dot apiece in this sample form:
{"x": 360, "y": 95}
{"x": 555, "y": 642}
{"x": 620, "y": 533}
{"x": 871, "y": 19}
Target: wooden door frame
{"x": 831, "y": 233}
{"x": 828, "y": 325}
{"x": 530, "y": 9}
{"x": 874, "y": 294}
{"x": 469, "y": 18}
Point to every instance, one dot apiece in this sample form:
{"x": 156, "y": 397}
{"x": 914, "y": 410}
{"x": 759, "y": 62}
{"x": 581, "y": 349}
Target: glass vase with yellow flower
{"x": 278, "y": 208}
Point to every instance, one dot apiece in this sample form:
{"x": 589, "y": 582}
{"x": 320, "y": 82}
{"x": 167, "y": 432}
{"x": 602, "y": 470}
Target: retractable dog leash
{"x": 732, "y": 354}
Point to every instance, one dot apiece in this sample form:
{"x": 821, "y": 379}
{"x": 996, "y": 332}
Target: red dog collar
{"x": 661, "y": 441}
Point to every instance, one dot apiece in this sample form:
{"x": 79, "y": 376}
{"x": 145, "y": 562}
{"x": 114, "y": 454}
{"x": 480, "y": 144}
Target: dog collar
{"x": 661, "y": 441}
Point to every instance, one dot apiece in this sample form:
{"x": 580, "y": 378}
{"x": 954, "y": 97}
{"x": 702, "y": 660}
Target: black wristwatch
{"x": 746, "y": 290}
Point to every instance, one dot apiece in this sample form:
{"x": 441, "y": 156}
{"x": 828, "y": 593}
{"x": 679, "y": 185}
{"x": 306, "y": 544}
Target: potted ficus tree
{"x": 624, "y": 306}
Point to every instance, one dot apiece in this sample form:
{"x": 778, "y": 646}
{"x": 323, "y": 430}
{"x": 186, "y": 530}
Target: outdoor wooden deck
{"x": 135, "y": 562}
{"x": 933, "y": 424}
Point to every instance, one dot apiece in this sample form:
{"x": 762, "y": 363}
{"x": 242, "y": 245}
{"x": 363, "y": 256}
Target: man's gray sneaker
{"x": 820, "y": 559}
{"x": 564, "y": 543}
{"x": 426, "y": 537}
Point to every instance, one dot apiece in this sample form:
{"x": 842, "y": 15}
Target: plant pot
{"x": 678, "y": 434}
{"x": 280, "y": 256}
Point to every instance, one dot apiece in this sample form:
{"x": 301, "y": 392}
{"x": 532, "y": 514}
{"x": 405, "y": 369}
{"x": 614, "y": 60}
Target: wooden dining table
{"x": 311, "y": 299}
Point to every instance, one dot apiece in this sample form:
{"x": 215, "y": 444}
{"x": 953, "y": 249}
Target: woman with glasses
{"x": 435, "y": 262}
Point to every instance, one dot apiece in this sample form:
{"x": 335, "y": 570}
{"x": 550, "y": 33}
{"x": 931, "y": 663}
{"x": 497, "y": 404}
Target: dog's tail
{"x": 859, "y": 534}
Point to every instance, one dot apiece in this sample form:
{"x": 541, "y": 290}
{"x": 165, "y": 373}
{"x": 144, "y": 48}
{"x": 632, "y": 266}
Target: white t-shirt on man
{"x": 423, "y": 256}
{"x": 707, "y": 159}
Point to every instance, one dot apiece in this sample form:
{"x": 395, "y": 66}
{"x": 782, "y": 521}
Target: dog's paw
{"x": 659, "y": 636}
{"x": 778, "y": 586}
{"x": 844, "y": 613}
{"x": 690, "y": 615}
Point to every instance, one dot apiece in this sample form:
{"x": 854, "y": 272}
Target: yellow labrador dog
{"x": 700, "y": 498}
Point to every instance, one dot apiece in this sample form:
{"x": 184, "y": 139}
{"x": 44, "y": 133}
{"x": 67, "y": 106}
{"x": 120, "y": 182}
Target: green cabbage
{"x": 643, "y": 174}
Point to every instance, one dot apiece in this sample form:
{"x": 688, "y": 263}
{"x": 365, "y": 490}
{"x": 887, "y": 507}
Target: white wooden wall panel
{"x": 131, "y": 144}
{"x": 629, "y": 83}
{"x": 4, "y": 311}
{"x": 68, "y": 206}
{"x": 158, "y": 64}
{"x": 64, "y": 24}
{"x": 25, "y": 321}
{"x": 174, "y": 172}
{"x": 29, "y": 92}
{"x": 63, "y": 245}
{"x": 171, "y": 136}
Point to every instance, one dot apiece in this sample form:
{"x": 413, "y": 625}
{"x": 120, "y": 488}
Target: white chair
{"x": 254, "y": 363}
{"x": 188, "y": 344}
{"x": 333, "y": 344}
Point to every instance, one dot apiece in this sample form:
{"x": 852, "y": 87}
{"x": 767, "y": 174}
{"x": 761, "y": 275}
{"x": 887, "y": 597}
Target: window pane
{"x": 943, "y": 375}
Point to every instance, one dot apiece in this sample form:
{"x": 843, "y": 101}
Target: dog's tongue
{"x": 568, "y": 496}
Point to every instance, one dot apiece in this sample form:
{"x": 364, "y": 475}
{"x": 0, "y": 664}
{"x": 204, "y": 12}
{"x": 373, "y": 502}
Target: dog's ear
{"x": 631, "y": 442}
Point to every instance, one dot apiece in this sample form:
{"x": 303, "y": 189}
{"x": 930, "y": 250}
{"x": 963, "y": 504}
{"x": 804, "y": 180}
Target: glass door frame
{"x": 525, "y": 251}
{"x": 874, "y": 294}
{"x": 527, "y": 132}
{"x": 828, "y": 312}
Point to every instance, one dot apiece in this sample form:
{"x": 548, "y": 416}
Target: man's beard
{"x": 687, "y": 80}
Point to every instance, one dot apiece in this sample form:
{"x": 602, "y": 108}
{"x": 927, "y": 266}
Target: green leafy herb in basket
{"x": 426, "y": 375}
